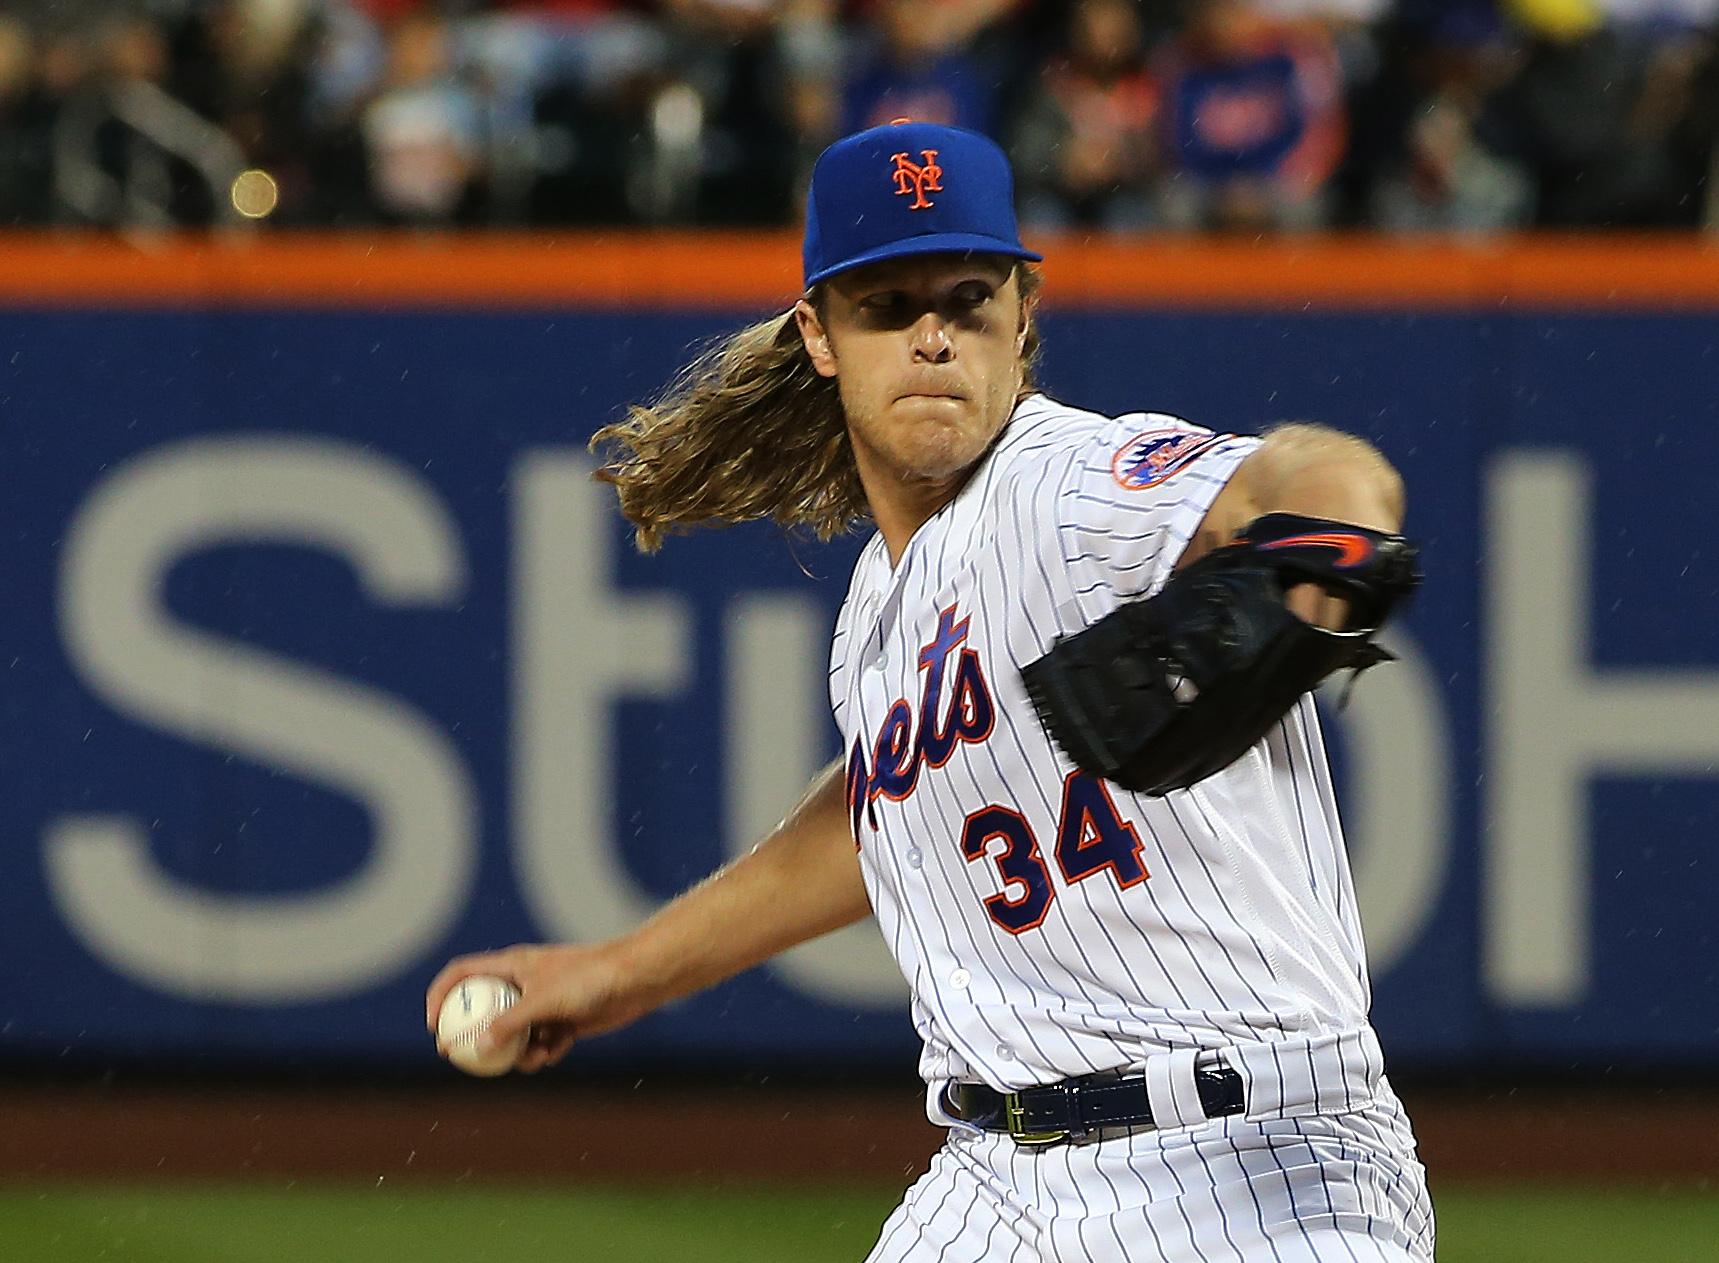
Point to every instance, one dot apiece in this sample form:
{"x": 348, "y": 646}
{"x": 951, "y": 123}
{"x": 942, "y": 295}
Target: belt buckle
{"x": 1015, "y": 1113}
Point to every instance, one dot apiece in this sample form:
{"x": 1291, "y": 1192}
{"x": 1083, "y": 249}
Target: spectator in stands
{"x": 1574, "y": 118}
{"x": 245, "y": 66}
{"x": 26, "y": 127}
{"x": 1695, "y": 139}
{"x": 1677, "y": 41}
{"x": 725, "y": 128}
{"x": 813, "y": 48}
{"x": 918, "y": 62}
{"x": 421, "y": 133}
{"x": 345, "y": 57}
{"x": 1441, "y": 174}
{"x": 1255, "y": 120}
{"x": 1255, "y": 114}
{"x": 564, "y": 88}
{"x": 1086, "y": 147}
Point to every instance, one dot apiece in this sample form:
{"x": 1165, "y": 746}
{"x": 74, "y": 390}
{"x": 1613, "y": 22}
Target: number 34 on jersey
{"x": 1091, "y": 836}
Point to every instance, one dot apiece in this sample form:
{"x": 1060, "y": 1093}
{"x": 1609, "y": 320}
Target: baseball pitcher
{"x": 1082, "y": 788}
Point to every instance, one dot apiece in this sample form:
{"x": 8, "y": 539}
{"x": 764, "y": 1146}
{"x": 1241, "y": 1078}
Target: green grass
{"x": 1577, "y": 1226}
{"x": 321, "y": 1224}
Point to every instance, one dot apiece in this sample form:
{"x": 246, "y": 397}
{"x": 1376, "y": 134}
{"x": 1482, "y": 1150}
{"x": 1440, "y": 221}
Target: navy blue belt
{"x": 1071, "y": 1109}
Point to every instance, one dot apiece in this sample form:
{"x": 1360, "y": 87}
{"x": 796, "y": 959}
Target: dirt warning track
{"x": 649, "y": 1130}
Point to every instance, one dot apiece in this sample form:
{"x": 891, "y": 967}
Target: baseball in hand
{"x": 466, "y": 1014}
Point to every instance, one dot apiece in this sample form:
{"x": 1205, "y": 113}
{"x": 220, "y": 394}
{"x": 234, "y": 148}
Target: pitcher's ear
{"x": 816, "y": 339}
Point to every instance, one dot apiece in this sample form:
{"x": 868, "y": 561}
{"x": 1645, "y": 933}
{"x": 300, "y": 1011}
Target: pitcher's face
{"x": 926, "y": 352}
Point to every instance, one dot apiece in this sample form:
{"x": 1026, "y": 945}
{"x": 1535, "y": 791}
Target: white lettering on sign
{"x": 1554, "y": 724}
{"x": 226, "y": 695}
{"x": 775, "y": 725}
{"x": 578, "y": 647}
{"x": 1396, "y": 798}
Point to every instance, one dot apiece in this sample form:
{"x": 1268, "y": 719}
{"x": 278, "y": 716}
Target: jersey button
{"x": 1005, "y": 1052}
{"x": 914, "y": 857}
{"x": 960, "y": 979}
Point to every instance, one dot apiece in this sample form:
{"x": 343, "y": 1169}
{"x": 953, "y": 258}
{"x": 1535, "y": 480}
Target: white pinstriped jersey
{"x": 1051, "y": 925}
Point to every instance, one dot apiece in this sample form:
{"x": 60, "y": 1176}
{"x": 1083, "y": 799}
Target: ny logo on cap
{"x": 912, "y": 177}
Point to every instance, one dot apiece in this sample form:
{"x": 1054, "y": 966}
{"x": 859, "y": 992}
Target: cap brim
{"x": 930, "y": 243}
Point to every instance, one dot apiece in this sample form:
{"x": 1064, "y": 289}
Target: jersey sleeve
{"x": 1135, "y": 497}
{"x": 838, "y": 675}
{"x": 842, "y": 636}
{"x": 840, "y": 649}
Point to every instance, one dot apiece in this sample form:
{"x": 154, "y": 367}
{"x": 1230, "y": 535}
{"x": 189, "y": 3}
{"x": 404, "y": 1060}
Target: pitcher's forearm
{"x": 800, "y": 882}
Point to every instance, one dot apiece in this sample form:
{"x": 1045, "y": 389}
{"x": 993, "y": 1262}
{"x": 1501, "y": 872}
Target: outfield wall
{"x": 324, "y": 659}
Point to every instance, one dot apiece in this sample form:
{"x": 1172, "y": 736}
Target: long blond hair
{"x": 747, "y": 431}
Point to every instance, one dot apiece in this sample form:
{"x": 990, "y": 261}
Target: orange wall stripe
{"x": 679, "y": 270}
{"x": 351, "y": 270}
{"x": 1334, "y": 273}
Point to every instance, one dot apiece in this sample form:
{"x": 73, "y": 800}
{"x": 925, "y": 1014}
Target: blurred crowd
{"x": 1121, "y": 115}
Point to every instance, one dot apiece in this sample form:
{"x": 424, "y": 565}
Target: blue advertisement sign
{"x": 326, "y": 660}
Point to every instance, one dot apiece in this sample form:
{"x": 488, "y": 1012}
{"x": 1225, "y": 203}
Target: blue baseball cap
{"x": 909, "y": 188}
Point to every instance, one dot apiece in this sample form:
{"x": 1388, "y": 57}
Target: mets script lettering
{"x": 903, "y": 747}
{"x": 917, "y": 179}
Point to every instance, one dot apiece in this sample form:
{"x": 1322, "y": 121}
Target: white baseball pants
{"x": 1328, "y": 1188}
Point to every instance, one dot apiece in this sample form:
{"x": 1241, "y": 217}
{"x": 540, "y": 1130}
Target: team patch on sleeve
{"x": 1151, "y": 456}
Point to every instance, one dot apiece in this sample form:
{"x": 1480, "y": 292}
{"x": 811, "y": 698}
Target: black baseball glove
{"x": 1164, "y": 692}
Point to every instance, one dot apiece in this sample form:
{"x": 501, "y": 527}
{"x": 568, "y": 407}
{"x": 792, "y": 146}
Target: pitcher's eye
{"x": 973, "y": 294}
